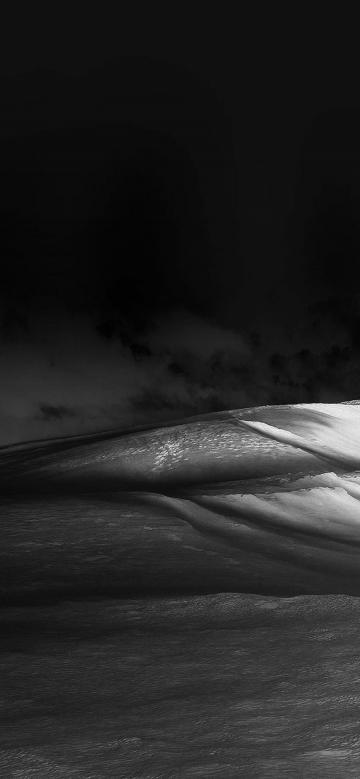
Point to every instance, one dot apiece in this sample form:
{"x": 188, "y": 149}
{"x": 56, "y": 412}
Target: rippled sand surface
{"x": 225, "y": 685}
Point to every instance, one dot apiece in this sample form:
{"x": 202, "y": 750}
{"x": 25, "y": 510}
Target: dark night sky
{"x": 179, "y": 213}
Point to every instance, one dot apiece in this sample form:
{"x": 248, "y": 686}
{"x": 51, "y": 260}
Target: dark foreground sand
{"x": 222, "y": 685}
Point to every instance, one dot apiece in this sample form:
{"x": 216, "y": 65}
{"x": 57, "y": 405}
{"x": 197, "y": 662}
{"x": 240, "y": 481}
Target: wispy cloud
{"x": 64, "y": 376}
{"x": 67, "y": 375}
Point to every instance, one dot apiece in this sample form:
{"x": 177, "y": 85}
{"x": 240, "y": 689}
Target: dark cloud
{"x": 55, "y": 413}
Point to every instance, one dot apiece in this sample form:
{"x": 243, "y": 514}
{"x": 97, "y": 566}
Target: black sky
{"x": 176, "y": 178}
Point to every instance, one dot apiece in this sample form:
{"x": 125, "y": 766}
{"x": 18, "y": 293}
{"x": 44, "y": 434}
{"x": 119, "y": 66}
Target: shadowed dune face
{"x": 260, "y": 500}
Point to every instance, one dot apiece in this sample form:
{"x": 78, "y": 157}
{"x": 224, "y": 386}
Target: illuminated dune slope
{"x": 259, "y": 500}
